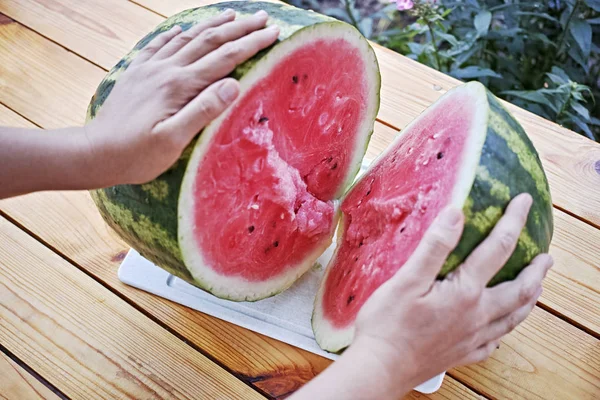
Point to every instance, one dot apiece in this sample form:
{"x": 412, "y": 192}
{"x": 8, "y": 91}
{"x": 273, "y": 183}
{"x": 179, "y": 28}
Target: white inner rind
{"x": 238, "y": 288}
{"x": 334, "y": 339}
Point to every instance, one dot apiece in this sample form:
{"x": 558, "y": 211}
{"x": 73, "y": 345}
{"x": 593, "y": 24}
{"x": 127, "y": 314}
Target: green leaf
{"x": 537, "y": 14}
{"x": 337, "y": 13}
{"x": 582, "y": 33}
{"x": 366, "y": 27}
{"x": 593, "y": 4}
{"x": 582, "y": 125}
{"x": 474, "y": 72}
{"x": 532, "y": 96}
{"x": 416, "y": 48}
{"x": 482, "y": 22}
{"x": 542, "y": 38}
{"x": 448, "y": 38}
{"x": 581, "y": 110}
{"x": 575, "y": 54}
{"x": 560, "y": 72}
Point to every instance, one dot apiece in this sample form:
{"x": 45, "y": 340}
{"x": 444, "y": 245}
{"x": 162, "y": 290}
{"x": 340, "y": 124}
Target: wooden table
{"x": 69, "y": 328}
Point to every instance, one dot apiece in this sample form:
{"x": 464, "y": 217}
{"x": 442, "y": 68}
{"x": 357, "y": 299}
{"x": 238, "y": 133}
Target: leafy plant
{"x": 541, "y": 55}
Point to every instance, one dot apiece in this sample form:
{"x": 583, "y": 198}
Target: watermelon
{"x": 465, "y": 150}
{"x": 251, "y": 203}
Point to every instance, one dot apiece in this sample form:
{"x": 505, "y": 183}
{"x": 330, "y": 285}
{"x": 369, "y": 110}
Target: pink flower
{"x": 403, "y": 5}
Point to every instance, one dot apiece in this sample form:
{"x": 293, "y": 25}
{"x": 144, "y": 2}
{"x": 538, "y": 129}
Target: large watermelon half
{"x": 465, "y": 150}
{"x": 251, "y": 204}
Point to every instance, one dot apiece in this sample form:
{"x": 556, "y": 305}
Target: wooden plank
{"x": 11, "y": 118}
{"x": 168, "y": 8}
{"x": 18, "y": 384}
{"x": 407, "y": 86}
{"x": 41, "y": 80}
{"x": 89, "y": 343}
{"x": 273, "y": 366}
{"x": 96, "y": 30}
{"x": 544, "y": 358}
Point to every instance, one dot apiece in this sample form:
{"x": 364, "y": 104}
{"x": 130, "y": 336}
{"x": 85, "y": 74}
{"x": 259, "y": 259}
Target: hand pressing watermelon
{"x": 415, "y": 326}
{"x": 175, "y": 86}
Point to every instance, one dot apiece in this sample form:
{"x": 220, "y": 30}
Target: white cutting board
{"x": 285, "y": 317}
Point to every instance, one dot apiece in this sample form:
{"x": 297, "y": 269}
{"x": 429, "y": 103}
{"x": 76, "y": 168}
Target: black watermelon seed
{"x": 369, "y": 192}
{"x": 263, "y": 119}
{"x": 295, "y": 78}
{"x": 350, "y": 298}
{"x": 251, "y": 228}
{"x": 440, "y": 155}
{"x": 275, "y": 243}
{"x": 360, "y": 244}
{"x": 334, "y": 166}
{"x": 356, "y": 259}
{"x": 402, "y": 230}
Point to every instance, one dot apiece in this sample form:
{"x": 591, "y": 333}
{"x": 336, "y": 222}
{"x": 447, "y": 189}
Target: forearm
{"x": 356, "y": 376}
{"x": 35, "y": 160}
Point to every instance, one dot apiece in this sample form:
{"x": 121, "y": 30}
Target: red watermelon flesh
{"x": 265, "y": 188}
{"x": 388, "y": 210}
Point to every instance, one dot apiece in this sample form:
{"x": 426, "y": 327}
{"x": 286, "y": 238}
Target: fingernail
{"x": 273, "y": 28}
{"x": 528, "y": 200}
{"x": 451, "y": 216}
{"x": 228, "y": 12}
{"x": 228, "y": 91}
{"x": 261, "y": 13}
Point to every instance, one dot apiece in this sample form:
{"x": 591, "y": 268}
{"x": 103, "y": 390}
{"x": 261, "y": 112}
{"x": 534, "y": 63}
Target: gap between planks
{"x": 37, "y": 379}
{"x": 131, "y": 303}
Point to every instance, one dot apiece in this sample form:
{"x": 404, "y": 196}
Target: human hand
{"x": 414, "y": 327}
{"x": 174, "y": 87}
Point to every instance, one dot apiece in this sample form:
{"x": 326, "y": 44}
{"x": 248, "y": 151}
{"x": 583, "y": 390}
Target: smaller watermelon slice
{"x": 465, "y": 150}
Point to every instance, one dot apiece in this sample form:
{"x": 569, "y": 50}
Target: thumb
{"x": 201, "y": 110}
{"x": 439, "y": 240}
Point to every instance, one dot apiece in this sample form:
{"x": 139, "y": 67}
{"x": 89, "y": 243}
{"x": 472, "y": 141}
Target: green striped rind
{"x": 509, "y": 165}
{"x": 145, "y": 216}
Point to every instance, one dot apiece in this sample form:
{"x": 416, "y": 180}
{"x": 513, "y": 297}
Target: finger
{"x": 213, "y": 38}
{"x": 438, "y": 242}
{"x": 192, "y": 33}
{"x": 507, "y": 323}
{"x": 222, "y": 61}
{"x": 491, "y": 255}
{"x": 506, "y": 297}
{"x": 156, "y": 44}
{"x": 200, "y": 111}
{"x": 480, "y": 354}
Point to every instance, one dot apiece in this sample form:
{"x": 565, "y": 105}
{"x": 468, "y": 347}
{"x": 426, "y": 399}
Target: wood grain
{"x": 11, "y": 118}
{"x": 544, "y": 358}
{"x": 273, "y": 366}
{"x": 89, "y": 343}
{"x": 68, "y": 222}
{"x": 41, "y": 80}
{"x": 18, "y": 384}
{"x": 407, "y": 86}
{"x": 97, "y": 30}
